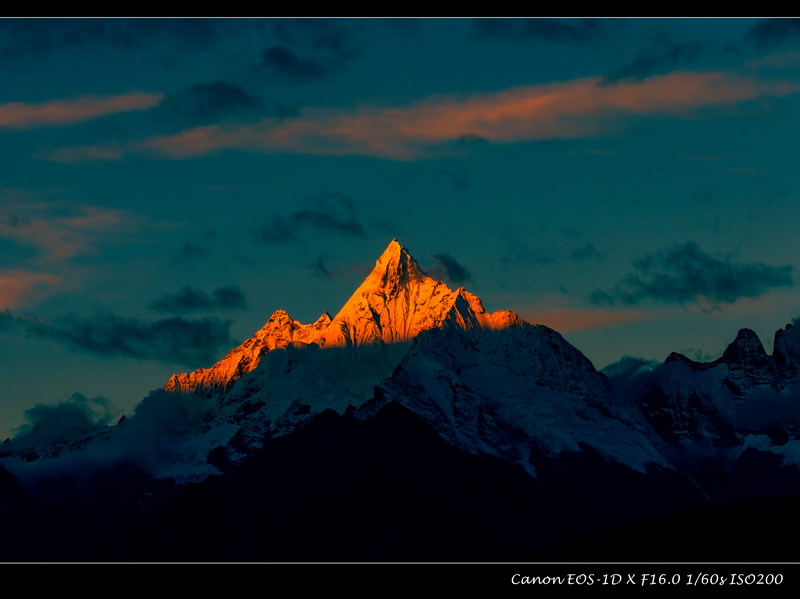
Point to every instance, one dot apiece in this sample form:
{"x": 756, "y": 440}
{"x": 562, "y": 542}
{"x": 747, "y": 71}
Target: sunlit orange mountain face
{"x": 395, "y": 303}
{"x": 415, "y": 410}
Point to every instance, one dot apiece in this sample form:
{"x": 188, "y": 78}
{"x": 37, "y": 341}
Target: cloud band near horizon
{"x": 172, "y": 340}
{"x": 573, "y": 109}
{"x": 685, "y": 274}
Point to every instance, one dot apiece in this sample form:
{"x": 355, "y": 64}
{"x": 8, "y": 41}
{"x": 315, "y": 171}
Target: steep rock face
{"x": 514, "y": 390}
{"x": 722, "y": 400}
{"x": 487, "y": 382}
{"x": 394, "y": 304}
{"x": 749, "y": 366}
{"x": 786, "y": 353}
{"x": 397, "y": 301}
{"x": 689, "y": 401}
{"x": 283, "y": 376}
{"x": 744, "y": 368}
{"x": 279, "y": 331}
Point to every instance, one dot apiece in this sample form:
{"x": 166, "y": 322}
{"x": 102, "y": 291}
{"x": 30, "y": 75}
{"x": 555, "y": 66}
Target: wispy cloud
{"x": 311, "y": 49}
{"x": 685, "y": 274}
{"x": 774, "y": 31}
{"x": 553, "y": 30}
{"x": 321, "y": 268}
{"x": 450, "y": 268}
{"x": 192, "y": 251}
{"x": 328, "y": 212}
{"x": 32, "y": 39}
{"x": 329, "y": 267}
{"x": 281, "y": 63}
{"x": 577, "y": 319}
{"x": 331, "y": 38}
{"x": 579, "y": 108}
{"x": 189, "y": 299}
{"x": 653, "y": 60}
{"x": 82, "y": 153}
{"x": 51, "y": 235}
{"x": 21, "y": 115}
{"x": 59, "y": 230}
{"x": 786, "y": 59}
{"x": 18, "y": 286}
{"x": 205, "y": 103}
{"x": 170, "y": 340}
{"x": 63, "y": 421}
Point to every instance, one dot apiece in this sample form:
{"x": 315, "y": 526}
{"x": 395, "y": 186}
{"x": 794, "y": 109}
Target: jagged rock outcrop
{"x": 394, "y": 303}
{"x": 397, "y": 301}
{"x": 408, "y": 380}
{"x": 723, "y": 400}
{"x": 688, "y": 401}
{"x": 744, "y": 367}
{"x": 280, "y": 331}
{"x": 486, "y": 382}
{"x": 786, "y": 353}
{"x": 514, "y": 390}
{"x": 750, "y": 368}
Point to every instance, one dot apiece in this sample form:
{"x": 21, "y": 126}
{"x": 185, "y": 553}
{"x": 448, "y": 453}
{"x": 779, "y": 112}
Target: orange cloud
{"x": 18, "y": 285}
{"x": 82, "y": 153}
{"x": 22, "y": 115}
{"x": 573, "y": 109}
{"x": 567, "y": 320}
{"x": 59, "y": 232}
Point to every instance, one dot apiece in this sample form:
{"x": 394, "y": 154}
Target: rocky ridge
{"x": 394, "y": 304}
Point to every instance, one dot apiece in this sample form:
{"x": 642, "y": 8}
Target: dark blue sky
{"x": 168, "y": 184}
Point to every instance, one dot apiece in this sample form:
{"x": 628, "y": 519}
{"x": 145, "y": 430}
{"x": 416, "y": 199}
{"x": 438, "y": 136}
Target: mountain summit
{"x": 487, "y": 383}
{"x": 395, "y": 303}
{"x": 409, "y": 414}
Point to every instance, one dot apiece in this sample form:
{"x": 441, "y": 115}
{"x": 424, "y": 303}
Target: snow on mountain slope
{"x": 786, "y": 352}
{"x": 487, "y": 382}
{"x": 279, "y": 331}
{"x": 504, "y": 391}
{"x": 743, "y": 392}
{"x": 394, "y": 303}
{"x": 397, "y": 301}
{"x": 688, "y": 401}
{"x": 408, "y": 351}
{"x": 749, "y": 367}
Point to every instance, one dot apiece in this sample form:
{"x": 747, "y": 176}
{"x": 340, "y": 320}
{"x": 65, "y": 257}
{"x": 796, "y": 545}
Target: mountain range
{"x": 416, "y": 426}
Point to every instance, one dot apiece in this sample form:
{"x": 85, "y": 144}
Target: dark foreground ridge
{"x": 341, "y": 489}
{"x": 390, "y": 489}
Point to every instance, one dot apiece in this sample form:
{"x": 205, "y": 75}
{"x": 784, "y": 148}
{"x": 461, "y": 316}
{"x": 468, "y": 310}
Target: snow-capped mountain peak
{"x": 279, "y": 331}
{"x": 749, "y": 366}
{"x": 398, "y": 300}
{"x": 787, "y": 352}
{"x": 395, "y": 303}
{"x": 407, "y": 358}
